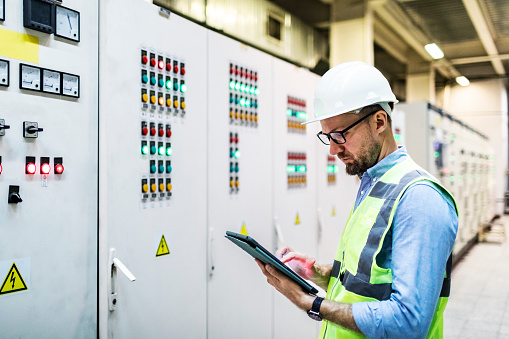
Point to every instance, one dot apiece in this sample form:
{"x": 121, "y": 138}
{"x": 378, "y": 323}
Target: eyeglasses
{"x": 338, "y": 136}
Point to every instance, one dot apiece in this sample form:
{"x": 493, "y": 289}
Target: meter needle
{"x": 69, "y": 19}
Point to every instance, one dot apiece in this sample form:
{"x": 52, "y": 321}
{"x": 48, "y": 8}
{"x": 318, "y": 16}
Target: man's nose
{"x": 334, "y": 148}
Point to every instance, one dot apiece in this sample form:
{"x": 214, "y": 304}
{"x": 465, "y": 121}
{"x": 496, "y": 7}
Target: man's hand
{"x": 305, "y": 266}
{"x": 286, "y": 287}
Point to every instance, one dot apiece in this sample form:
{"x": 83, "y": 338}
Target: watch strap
{"x": 316, "y": 305}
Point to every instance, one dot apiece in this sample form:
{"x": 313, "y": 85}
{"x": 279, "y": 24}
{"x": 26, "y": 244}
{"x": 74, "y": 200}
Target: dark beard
{"x": 366, "y": 160}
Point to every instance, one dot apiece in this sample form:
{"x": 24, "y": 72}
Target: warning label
{"x": 243, "y": 230}
{"x": 163, "y": 248}
{"x": 13, "y": 281}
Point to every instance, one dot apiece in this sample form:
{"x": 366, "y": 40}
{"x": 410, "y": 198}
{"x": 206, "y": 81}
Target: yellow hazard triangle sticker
{"x": 333, "y": 211}
{"x": 13, "y": 282}
{"x": 163, "y": 248}
{"x": 243, "y": 230}
{"x": 297, "y": 220}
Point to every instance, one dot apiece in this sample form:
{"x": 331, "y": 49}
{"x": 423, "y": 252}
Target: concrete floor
{"x": 479, "y": 303}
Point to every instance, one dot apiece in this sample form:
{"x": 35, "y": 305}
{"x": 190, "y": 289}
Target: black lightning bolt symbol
{"x": 13, "y": 279}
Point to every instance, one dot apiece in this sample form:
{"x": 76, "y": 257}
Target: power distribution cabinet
{"x": 153, "y": 136}
{"x": 295, "y": 185}
{"x": 48, "y": 178}
{"x": 239, "y": 190}
{"x": 459, "y": 157}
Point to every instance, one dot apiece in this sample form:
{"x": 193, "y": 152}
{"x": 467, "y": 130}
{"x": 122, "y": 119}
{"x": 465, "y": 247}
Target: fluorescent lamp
{"x": 434, "y": 51}
{"x": 463, "y": 81}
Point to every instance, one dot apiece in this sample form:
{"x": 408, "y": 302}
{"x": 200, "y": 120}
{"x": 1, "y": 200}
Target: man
{"x": 391, "y": 273}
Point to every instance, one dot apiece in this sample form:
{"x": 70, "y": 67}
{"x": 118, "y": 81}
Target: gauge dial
{"x": 4, "y": 72}
{"x": 71, "y": 85}
{"x": 50, "y": 81}
{"x": 67, "y": 23}
{"x": 30, "y": 77}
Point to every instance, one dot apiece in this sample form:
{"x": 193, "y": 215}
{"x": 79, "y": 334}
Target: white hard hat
{"x": 349, "y": 87}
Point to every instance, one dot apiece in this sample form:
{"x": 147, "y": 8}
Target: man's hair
{"x": 373, "y": 108}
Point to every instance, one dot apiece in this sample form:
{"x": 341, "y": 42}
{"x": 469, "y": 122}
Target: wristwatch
{"x": 314, "y": 312}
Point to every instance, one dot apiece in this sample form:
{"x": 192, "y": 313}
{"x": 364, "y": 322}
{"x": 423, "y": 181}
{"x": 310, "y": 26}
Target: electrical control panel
{"x": 295, "y": 184}
{"x": 459, "y": 157}
{"x": 48, "y": 255}
{"x": 239, "y": 190}
{"x": 153, "y": 172}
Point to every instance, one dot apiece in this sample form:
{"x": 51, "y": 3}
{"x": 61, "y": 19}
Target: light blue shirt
{"x": 419, "y": 243}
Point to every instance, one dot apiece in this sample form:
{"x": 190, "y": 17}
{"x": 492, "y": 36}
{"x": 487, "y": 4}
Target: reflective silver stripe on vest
{"x": 359, "y": 283}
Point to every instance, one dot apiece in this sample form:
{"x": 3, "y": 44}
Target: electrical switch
{"x": 14, "y": 196}
{"x": 168, "y": 166}
{"x": 31, "y": 129}
{"x": 59, "y": 167}
{"x": 144, "y": 186}
{"x": 153, "y": 186}
{"x": 153, "y": 168}
{"x": 45, "y": 167}
{"x": 161, "y": 185}
{"x": 3, "y": 127}
{"x": 153, "y": 149}
{"x": 30, "y": 167}
{"x": 144, "y": 147}
{"x": 161, "y": 130}
{"x": 144, "y": 128}
{"x": 153, "y": 130}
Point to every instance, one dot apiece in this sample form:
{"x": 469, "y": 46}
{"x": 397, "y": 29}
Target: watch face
{"x": 67, "y": 23}
{"x": 315, "y": 316}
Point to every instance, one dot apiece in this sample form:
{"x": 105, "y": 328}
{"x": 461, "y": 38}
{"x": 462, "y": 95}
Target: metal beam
{"x": 475, "y": 13}
{"x": 474, "y": 60}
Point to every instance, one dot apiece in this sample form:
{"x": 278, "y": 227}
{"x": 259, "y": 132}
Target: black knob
{"x": 14, "y": 198}
{"x": 4, "y": 127}
{"x": 33, "y": 129}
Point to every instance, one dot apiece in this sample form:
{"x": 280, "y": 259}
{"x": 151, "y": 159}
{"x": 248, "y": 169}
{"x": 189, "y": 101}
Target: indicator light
{"x": 153, "y": 99}
{"x": 144, "y": 188}
{"x": 153, "y": 79}
{"x": 175, "y": 102}
{"x": 256, "y": 91}
{"x": 301, "y": 169}
{"x": 175, "y": 69}
{"x": 153, "y": 61}
{"x": 144, "y": 97}
{"x": 1, "y": 168}
{"x": 183, "y": 88}
{"x": 153, "y": 130}
{"x": 45, "y": 168}
{"x": 168, "y": 185}
{"x": 168, "y": 66}
{"x": 161, "y": 168}
{"x": 290, "y": 169}
{"x": 161, "y": 82}
{"x": 59, "y": 167}
{"x": 162, "y": 150}
{"x": 175, "y": 85}
{"x": 161, "y": 101}
{"x": 144, "y": 59}
{"x": 182, "y": 103}
{"x": 161, "y": 187}
{"x": 237, "y": 86}
{"x": 30, "y": 168}
{"x": 437, "y": 154}
{"x": 161, "y": 64}
{"x": 144, "y": 148}
{"x": 237, "y": 154}
{"x": 232, "y": 84}
{"x": 168, "y": 166}
{"x": 144, "y": 128}
{"x": 182, "y": 70}
{"x": 153, "y": 149}
{"x": 168, "y": 131}
{"x": 168, "y": 84}
{"x": 168, "y": 149}
{"x": 153, "y": 187}
{"x": 242, "y": 87}
{"x": 144, "y": 78}
{"x": 153, "y": 168}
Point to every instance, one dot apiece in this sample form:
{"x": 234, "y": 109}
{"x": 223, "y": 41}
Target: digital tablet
{"x": 257, "y": 251}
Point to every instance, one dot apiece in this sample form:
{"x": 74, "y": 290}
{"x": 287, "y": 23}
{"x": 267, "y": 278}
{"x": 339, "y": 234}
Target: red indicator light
{"x": 175, "y": 69}
{"x": 168, "y": 133}
{"x": 152, "y": 62}
{"x": 1, "y": 169}
{"x": 183, "y": 71}
{"x": 144, "y": 59}
{"x": 168, "y": 67}
{"x": 144, "y": 130}
{"x": 153, "y": 131}
{"x": 161, "y": 64}
{"x": 45, "y": 169}
{"x": 30, "y": 168}
{"x": 231, "y": 70}
{"x": 59, "y": 169}
{"x": 161, "y": 132}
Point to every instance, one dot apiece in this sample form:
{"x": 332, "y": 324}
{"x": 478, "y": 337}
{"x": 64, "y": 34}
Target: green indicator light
{"x": 290, "y": 169}
{"x": 237, "y": 154}
{"x": 451, "y": 178}
{"x": 168, "y": 84}
{"x": 242, "y": 102}
{"x": 301, "y": 169}
{"x": 460, "y": 178}
{"x": 248, "y": 103}
{"x": 301, "y": 115}
{"x": 242, "y": 87}
{"x": 161, "y": 150}
{"x": 248, "y": 89}
{"x": 257, "y": 91}
{"x": 252, "y": 90}
{"x": 451, "y": 137}
{"x": 168, "y": 151}
{"x": 397, "y": 137}
{"x": 336, "y": 169}
{"x": 232, "y": 84}
{"x": 183, "y": 88}
{"x": 237, "y": 86}
{"x": 437, "y": 154}
{"x": 451, "y": 158}
{"x": 289, "y": 112}
{"x": 330, "y": 169}
{"x": 144, "y": 149}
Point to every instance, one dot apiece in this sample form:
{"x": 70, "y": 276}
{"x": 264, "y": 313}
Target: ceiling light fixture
{"x": 463, "y": 81}
{"x": 434, "y": 51}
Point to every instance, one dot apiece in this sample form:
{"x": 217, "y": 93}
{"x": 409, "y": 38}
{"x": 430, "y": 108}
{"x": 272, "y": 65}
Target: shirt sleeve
{"x": 424, "y": 229}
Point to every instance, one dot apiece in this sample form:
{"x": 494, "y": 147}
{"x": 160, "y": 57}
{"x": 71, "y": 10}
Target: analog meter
{"x": 67, "y": 23}
{"x": 29, "y": 77}
{"x": 4, "y": 72}
{"x": 71, "y": 85}
{"x": 50, "y": 81}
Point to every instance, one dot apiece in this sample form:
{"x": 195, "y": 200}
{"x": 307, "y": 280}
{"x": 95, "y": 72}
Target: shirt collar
{"x": 386, "y": 163}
